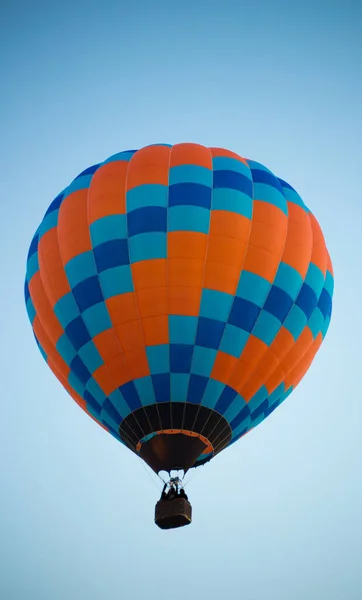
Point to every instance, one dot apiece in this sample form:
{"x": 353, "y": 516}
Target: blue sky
{"x": 277, "y": 516}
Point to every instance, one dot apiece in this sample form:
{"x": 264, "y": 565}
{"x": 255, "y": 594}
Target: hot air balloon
{"x": 179, "y": 294}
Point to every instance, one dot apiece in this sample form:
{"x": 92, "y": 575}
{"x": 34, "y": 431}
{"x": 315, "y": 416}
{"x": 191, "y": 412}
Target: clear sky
{"x": 278, "y": 515}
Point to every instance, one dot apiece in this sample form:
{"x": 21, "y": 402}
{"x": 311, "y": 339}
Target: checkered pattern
{"x": 179, "y": 273}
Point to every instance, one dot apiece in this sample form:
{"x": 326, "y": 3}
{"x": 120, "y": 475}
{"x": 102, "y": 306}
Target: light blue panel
{"x": 258, "y": 398}
{"x": 190, "y": 174}
{"x": 295, "y": 321}
{"x": 107, "y": 419}
{"x": 234, "y": 340}
{"x": 97, "y": 319}
{"x": 120, "y": 156}
{"x": 76, "y": 384}
{"x": 215, "y": 305}
{"x": 293, "y": 196}
{"x": 49, "y": 222}
{"x": 119, "y": 403}
{"x": 42, "y": 352}
{"x": 93, "y": 388}
{"x": 90, "y": 356}
{"x": 268, "y": 193}
{"x": 212, "y": 393}
{"x": 325, "y": 326}
{"x": 151, "y": 194}
{"x": 188, "y": 218}
{"x": 203, "y": 361}
{"x": 147, "y": 246}
{"x": 179, "y": 386}
{"x": 80, "y": 267}
{"x": 253, "y": 164}
{"x": 329, "y": 283}
{"x": 112, "y": 227}
{"x": 32, "y": 266}
{"x": 115, "y": 281}
{"x": 257, "y": 420}
{"x": 289, "y": 280}
{"x": 30, "y": 309}
{"x": 92, "y": 411}
{"x": 80, "y": 183}
{"x": 182, "y": 329}
{"x": 235, "y": 408}
{"x": 315, "y": 279}
{"x": 227, "y": 163}
{"x": 276, "y": 395}
{"x": 266, "y": 327}
{"x": 158, "y": 358}
{"x": 316, "y": 322}
{"x": 66, "y": 309}
{"x": 252, "y": 287}
{"x": 287, "y": 393}
{"x": 232, "y": 201}
{"x": 145, "y": 390}
{"x": 66, "y": 349}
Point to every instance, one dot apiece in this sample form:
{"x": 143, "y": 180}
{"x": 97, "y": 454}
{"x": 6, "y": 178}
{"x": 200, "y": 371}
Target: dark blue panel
{"x": 307, "y": 300}
{"x": 88, "y": 171}
{"x": 130, "y": 395}
{"x": 243, "y": 432}
{"x": 79, "y": 369}
{"x": 260, "y": 410}
{"x": 244, "y": 314}
{"x": 77, "y": 333}
{"x": 278, "y": 303}
{"x": 243, "y": 414}
{"x": 269, "y": 411}
{"x": 113, "y": 413}
{"x": 233, "y": 181}
{"x": 197, "y": 386}
{"x": 92, "y": 402}
{"x": 209, "y": 333}
{"x": 325, "y": 303}
{"x": 26, "y": 292}
{"x": 285, "y": 184}
{"x": 33, "y": 246}
{"x": 225, "y": 399}
{"x": 146, "y": 219}
{"x": 55, "y": 204}
{"x": 161, "y": 385}
{"x": 180, "y": 358}
{"x": 111, "y": 254}
{"x": 192, "y": 194}
{"x": 261, "y": 176}
{"x": 88, "y": 293}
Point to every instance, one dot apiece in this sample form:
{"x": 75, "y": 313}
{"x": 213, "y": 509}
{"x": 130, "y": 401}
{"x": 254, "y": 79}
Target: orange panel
{"x": 190, "y": 154}
{"x": 282, "y": 343}
{"x": 122, "y": 308}
{"x": 240, "y": 375}
{"x": 155, "y": 330}
{"x": 43, "y": 309}
{"x": 267, "y": 365}
{"x": 51, "y": 267}
{"x": 261, "y": 263}
{"x": 230, "y": 224}
{"x": 52, "y": 355}
{"x": 223, "y": 152}
{"x": 119, "y": 369}
{"x": 221, "y": 277}
{"x": 329, "y": 264}
{"x": 152, "y": 302}
{"x": 138, "y": 363}
{"x": 107, "y": 192}
{"x": 107, "y": 344}
{"x": 187, "y": 244}
{"x": 105, "y": 380}
{"x": 298, "y": 373}
{"x": 73, "y": 230}
{"x": 149, "y": 273}
{"x": 130, "y": 335}
{"x": 223, "y": 367}
{"x": 290, "y": 360}
{"x": 226, "y": 250}
{"x": 252, "y": 387}
{"x": 184, "y": 301}
{"x": 298, "y": 245}
{"x": 149, "y": 165}
{"x": 319, "y": 252}
{"x": 250, "y": 357}
{"x": 186, "y": 272}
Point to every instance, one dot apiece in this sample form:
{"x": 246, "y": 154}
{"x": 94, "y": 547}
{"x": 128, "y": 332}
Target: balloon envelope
{"x": 179, "y": 294}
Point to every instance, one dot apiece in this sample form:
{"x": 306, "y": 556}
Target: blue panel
{"x": 275, "y": 396}
{"x": 316, "y": 322}
{"x": 65, "y": 348}
{"x": 329, "y": 283}
{"x": 109, "y": 408}
{"x": 143, "y": 220}
{"x": 32, "y": 266}
{"x": 121, "y": 156}
{"x": 92, "y": 405}
{"x": 88, "y": 293}
{"x": 265, "y": 176}
{"x": 88, "y": 171}
{"x": 252, "y": 287}
{"x": 244, "y": 314}
{"x": 292, "y": 196}
{"x": 197, "y": 387}
{"x": 190, "y": 173}
{"x": 234, "y": 181}
{"x": 269, "y": 194}
{"x": 80, "y": 183}
{"x": 266, "y": 327}
{"x": 80, "y": 370}
{"x": 93, "y": 387}
{"x": 209, "y": 333}
{"x": 295, "y": 321}
{"x": 112, "y": 227}
{"x": 307, "y": 300}
{"x": 119, "y": 403}
{"x": 234, "y": 409}
{"x": 225, "y": 399}
{"x": 182, "y": 329}
{"x": 191, "y": 194}
{"x": 111, "y": 254}
{"x": 116, "y": 281}
{"x": 147, "y": 246}
{"x": 189, "y": 218}
{"x": 147, "y": 195}
{"x": 243, "y": 414}
{"x": 215, "y": 305}
{"x": 66, "y": 309}
{"x": 232, "y": 201}
{"x": 97, "y": 319}
{"x": 80, "y": 267}
{"x": 258, "y": 398}
{"x": 76, "y": 384}
{"x": 145, "y": 390}
{"x": 227, "y": 163}
{"x": 129, "y": 392}
{"x": 278, "y": 303}
{"x": 33, "y": 246}
{"x": 26, "y": 291}
{"x": 42, "y": 351}
{"x": 179, "y": 387}
{"x": 48, "y": 223}
{"x": 180, "y": 358}
{"x": 161, "y": 384}
{"x": 90, "y": 357}
{"x": 158, "y": 358}
{"x": 234, "y": 340}
{"x": 77, "y": 333}
{"x": 212, "y": 393}
{"x": 325, "y": 303}
{"x": 55, "y": 205}
{"x": 289, "y": 280}
{"x": 203, "y": 361}
{"x": 30, "y": 309}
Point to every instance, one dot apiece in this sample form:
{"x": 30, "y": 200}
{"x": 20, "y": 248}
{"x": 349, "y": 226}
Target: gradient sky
{"x": 278, "y": 515}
